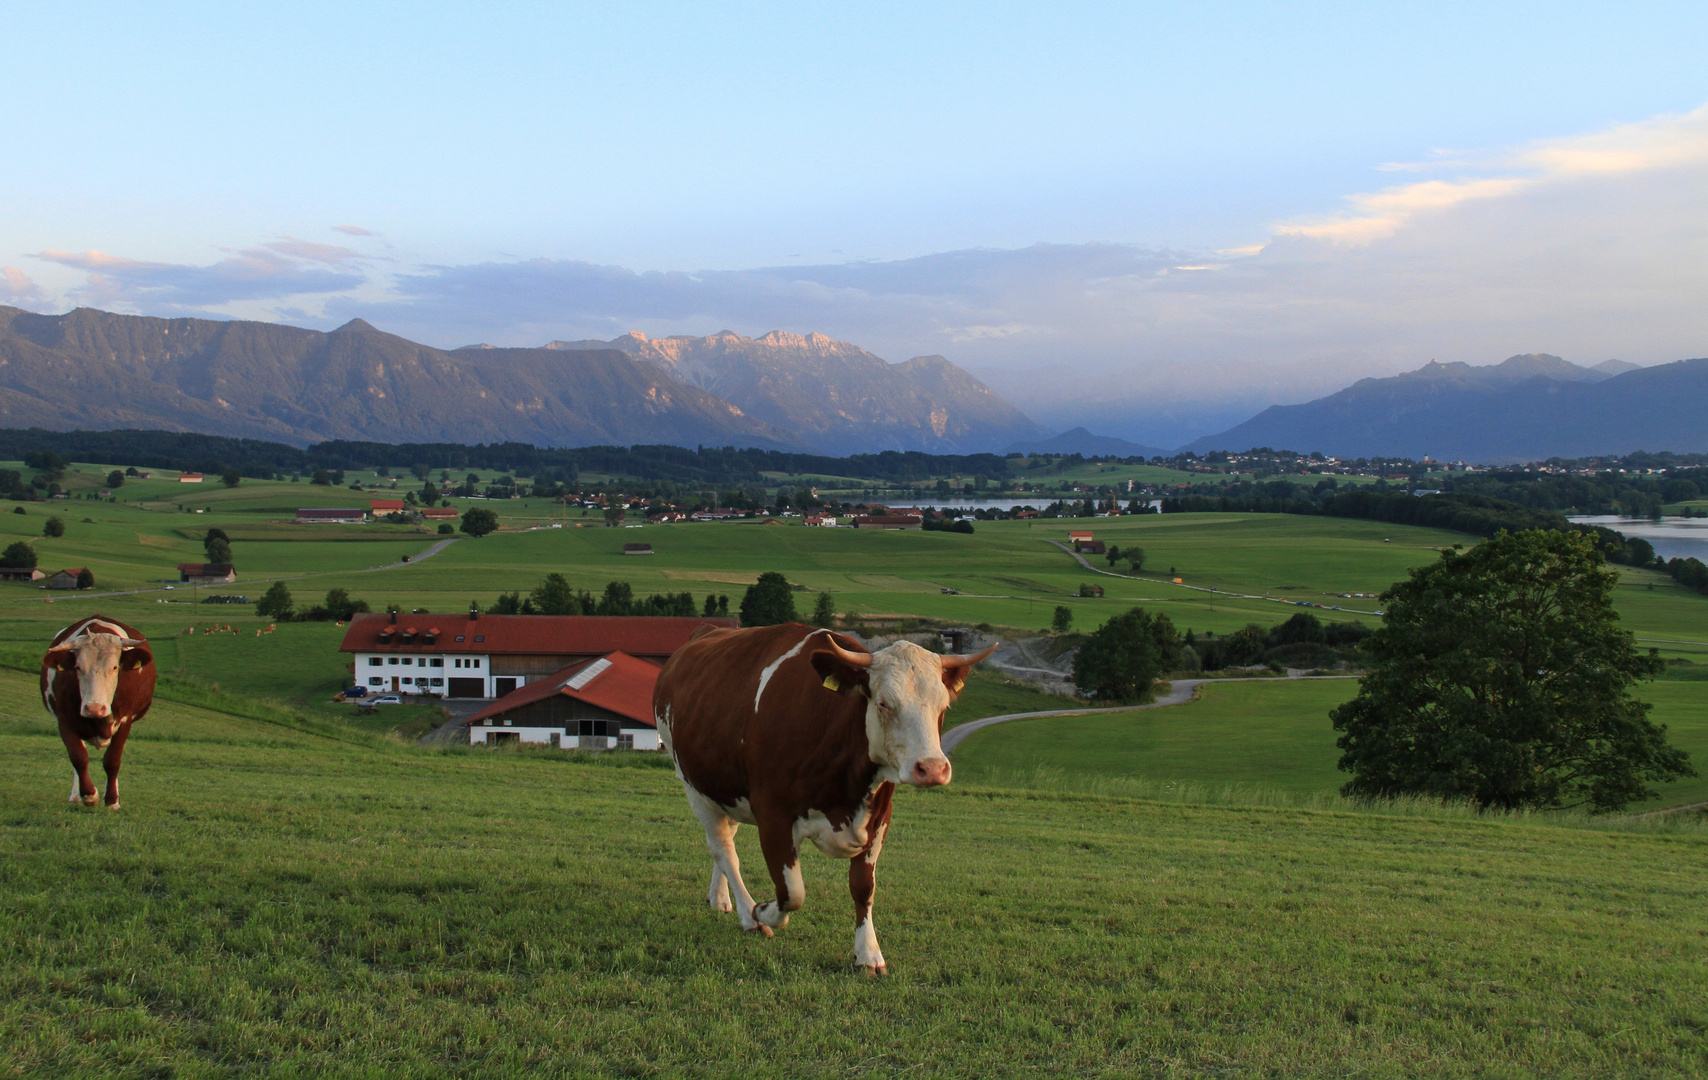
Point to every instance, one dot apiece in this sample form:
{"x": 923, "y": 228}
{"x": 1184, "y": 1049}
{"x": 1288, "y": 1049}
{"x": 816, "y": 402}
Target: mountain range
{"x": 1081, "y": 441}
{"x": 98, "y": 370}
{"x": 1526, "y": 408}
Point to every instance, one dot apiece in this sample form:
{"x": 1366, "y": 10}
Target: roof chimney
{"x": 394, "y": 618}
{"x": 474, "y": 610}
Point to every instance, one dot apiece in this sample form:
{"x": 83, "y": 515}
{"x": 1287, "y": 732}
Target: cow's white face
{"x": 97, "y": 658}
{"x": 904, "y": 718}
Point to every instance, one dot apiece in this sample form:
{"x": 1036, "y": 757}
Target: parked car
{"x": 385, "y": 699}
{"x": 356, "y": 691}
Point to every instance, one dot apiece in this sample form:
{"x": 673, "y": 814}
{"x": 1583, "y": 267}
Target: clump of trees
{"x": 958, "y": 525}
{"x": 53, "y": 527}
{"x": 19, "y": 555}
{"x": 1501, "y": 675}
{"x": 217, "y": 545}
{"x": 279, "y": 605}
{"x": 1121, "y": 660}
{"x": 555, "y": 596}
{"x": 1303, "y": 641}
{"x": 769, "y": 601}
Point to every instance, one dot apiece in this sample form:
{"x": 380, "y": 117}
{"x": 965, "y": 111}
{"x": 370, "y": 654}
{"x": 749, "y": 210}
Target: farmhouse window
{"x": 438, "y": 682}
{"x": 477, "y": 663}
{"x": 407, "y": 680}
{"x": 625, "y": 742}
{"x": 392, "y": 660}
{"x": 376, "y": 661}
{"x": 437, "y": 661}
{"x": 459, "y": 637}
{"x": 480, "y": 637}
{"x": 376, "y": 681}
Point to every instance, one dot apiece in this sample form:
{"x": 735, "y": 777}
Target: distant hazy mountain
{"x": 95, "y": 370}
{"x": 1081, "y": 441}
{"x": 837, "y": 396}
{"x": 1527, "y": 408}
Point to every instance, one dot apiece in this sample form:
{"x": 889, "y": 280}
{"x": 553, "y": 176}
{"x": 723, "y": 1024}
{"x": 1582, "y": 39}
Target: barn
{"x": 489, "y": 656}
{"x": 65, "y": 579}
{"x": 195, "y": 573}
{"x": 601, "y": 704}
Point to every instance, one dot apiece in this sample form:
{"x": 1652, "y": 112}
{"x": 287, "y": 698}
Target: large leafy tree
{"x": 479, "y": 521}
{"x": 277, "y": 603}
{"x": 769, "y": 601}
{"x": 1501, "y": 675}
{"x": 19, "y": 555}
{"x": 1121, "y": 660}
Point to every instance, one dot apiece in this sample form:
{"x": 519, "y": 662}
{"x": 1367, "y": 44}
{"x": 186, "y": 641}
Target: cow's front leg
{"x": 783, "y": 859}
{"x": 82, "y": 788}
{"x": 863, "y": 886}
{"x": 110, "y": 764}
{"x": 726, "y": 864}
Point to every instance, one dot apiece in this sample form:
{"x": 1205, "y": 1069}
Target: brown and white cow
{"x": 97, "y": 680}
{"x": 805, "y": 734}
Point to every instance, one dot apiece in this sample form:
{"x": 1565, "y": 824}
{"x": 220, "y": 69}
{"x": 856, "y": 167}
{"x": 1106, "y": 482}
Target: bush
{"x": 19, "y": 556}
{"x": 446, "y": 529}
{"x": 85, "y": 578}
{"x": 115, "y": 479}
{"x": 54, "y": 527}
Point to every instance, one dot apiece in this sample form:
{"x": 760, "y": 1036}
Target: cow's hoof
{"x": 872, "y": 971}
{"x": 114, "y": 805}
{"x": 760, "y": 929}
{"x": 91, "y": 800}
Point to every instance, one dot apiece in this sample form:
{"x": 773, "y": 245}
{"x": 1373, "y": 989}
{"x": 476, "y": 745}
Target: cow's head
{"x": 909, "y": 689}
{"x": 98, "y": 659}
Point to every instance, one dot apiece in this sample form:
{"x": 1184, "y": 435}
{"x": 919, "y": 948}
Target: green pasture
{"x": 1272, "y": 736}
{"x": 274, "y": 900}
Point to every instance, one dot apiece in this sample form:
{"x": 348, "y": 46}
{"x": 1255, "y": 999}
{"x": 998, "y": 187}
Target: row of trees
{"x": 279, "y": 605}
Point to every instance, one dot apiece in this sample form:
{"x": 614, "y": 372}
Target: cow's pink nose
{"x": 96, "y": 710}
{"x": 931, "y": 772}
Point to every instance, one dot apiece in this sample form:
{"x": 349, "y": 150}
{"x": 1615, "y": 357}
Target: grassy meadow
{"x": 289, "y": 901}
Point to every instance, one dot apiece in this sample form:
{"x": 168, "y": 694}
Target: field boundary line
{"x": 1180, "y": 692}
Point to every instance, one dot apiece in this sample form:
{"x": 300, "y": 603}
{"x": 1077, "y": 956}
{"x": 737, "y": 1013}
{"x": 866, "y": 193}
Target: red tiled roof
{"x": 623, "y": 685}
{"x": 532, "y": 635}
{"x": 385, "y": 505}
{"x": 433, "y": 512}
{"x": 332, "y": 512}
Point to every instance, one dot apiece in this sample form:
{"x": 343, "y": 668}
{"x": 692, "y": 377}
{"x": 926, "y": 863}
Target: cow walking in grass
{"x": 97, "y": 680}
{"x": 803, "y": 733}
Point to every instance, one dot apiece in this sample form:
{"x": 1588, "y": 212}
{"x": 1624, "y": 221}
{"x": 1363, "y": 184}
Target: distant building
{"x": 1090, "y": 547}
{"x": 190, "y": 478}
{"x": 344, "y": 514}
{"x": 19, "y": 573}
{"x": 637, "y": 549}
{"x": 889, "y": 521}
{"x": 1078, "y": 535}
{"x": 439, "y": 513}
{"x": 824, "y": 521}
{"x": 385, "y": 506}
{"x": 65, "y": 579}
{"x": 602, "y": 704}
{"x": 668, "y": 517}
{"x": 195, "y": 573}
{"x": 717, "y": 513}
{"x": 489, "y": 656}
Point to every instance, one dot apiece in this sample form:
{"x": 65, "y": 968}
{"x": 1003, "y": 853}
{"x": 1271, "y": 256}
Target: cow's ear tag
{"x": 831, "y": 682}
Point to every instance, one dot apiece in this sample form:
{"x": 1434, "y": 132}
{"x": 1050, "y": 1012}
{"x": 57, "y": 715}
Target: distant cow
{"x": 97, "y": 680}
{"x": 805, "y": 734}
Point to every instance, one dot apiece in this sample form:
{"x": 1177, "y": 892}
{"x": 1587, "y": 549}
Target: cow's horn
{"x": 132, "y": 642}
{"x": 852, "y": 659}
{"x": 966, "y": 661}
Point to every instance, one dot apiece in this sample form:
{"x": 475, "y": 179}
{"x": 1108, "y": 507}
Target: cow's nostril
{"x": 931, "y": 772}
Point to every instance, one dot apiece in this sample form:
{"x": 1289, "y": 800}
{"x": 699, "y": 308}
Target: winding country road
{"x": 1180, "y": 692}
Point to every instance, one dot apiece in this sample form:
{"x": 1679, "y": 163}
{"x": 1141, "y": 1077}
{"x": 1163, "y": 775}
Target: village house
{"x": 823, "y": 521}
{"x": 349, "y": 515}
{"x": 190, "y": 478}
{"x": 668, "y": 517}
{"x": 602, "y": 704}
{"x": 195, "y": 573}
{"x": 1075, "y": 536}
{"x": 385, "y": 506}
{"x": 488, "y": 656}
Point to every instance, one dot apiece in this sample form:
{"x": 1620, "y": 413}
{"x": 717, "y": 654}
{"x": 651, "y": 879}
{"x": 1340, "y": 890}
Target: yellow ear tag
{"x": 831, "y": 682}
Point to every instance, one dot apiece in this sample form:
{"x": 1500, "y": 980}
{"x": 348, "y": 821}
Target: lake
{"x": 1673, "y": 538}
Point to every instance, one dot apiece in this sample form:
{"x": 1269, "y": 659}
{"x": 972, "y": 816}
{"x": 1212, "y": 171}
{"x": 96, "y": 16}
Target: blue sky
{"x": 1356, "y": 188}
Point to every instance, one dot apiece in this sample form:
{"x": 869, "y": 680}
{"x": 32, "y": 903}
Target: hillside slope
{"x": 1527, "y": 408}
{"x": 94, "y": 369}
{"x": 838, "y": 396}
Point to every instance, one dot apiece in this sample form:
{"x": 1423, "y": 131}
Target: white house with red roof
{"x": 601, "y": 704}
{"x": 488, "y": 656}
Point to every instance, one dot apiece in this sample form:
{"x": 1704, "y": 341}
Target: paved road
{"x": 1179, "y": 693}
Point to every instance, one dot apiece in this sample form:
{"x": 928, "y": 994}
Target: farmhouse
{"x": 489, "y": 656}
{"x": 190, "y": 478}
{"x": 889, "y": 521}
{"x": 637, "y": 549}
{"x": 826, "y": 521}
{"x": 439, "y": 513}
{"x": 347, "y": 514}
{"x": 1090, "y": 547}
{"x": 195, "y": 573}
{"x": 385, "y": 506}
{"x": 20, "y": 573}
{"x": 65, "y": 579}
{"x": 1077, "y": 536}
{"x": 602, "y": 704}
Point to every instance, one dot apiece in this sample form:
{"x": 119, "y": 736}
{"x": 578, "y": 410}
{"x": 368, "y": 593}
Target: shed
{"x": 190, "y": 478}
{"x": 344, "y": 514}
{"x": 195, "y": 573}
{"x": 439, "y": 513}
{"x": 600, "y": 704}
{"x": 20, "y": 573}
{"x": 1090, "y": 547}
{"x": 65, "y": 579}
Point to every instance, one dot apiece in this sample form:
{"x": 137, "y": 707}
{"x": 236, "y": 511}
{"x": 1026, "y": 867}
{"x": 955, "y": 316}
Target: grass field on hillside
{"x": 1269, "y": 736}
{"x": 270, "y": 900}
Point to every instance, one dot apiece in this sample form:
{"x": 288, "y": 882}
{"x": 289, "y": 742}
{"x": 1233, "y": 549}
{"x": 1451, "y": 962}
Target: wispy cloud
{"x": 353, "y": 230}
{"x": 270, "y": 272}
{"x": 17, "y": 289}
